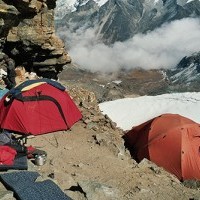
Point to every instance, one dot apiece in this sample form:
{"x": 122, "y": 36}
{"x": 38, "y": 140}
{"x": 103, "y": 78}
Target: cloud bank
{"x": 162, "y": 48}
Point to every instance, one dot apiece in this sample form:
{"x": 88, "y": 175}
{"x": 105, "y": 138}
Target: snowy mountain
{"x": 186, "y": 75}
{"x": 120, "y": 20}
{"x": 64, "y": 7}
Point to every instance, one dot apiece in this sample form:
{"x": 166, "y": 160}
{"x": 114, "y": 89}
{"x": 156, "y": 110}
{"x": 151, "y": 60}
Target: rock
{"x": 145, "y": 163}
{"x": 75, "y": 194}
{"x": 64, "y": 180}
{"x": 194, "y": 184}
{"x": 5, "y": 194}
{"x": 92, "y": 116}
{"x": 27, "y": 28}
{"x": 98, "y": 191}
{"x": 92, "y": 125}
{"x": 99, "y": 139}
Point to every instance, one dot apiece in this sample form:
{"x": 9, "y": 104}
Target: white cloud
{"x": 161, "y": 48}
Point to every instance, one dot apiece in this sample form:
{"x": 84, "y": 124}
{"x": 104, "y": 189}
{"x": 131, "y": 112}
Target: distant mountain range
{"x": 119, "y": 20}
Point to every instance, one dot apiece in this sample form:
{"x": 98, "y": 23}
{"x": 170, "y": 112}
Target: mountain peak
{"x": 121, "y": 20}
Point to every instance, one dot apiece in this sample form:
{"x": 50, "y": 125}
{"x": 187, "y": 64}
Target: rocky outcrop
{"x": 92, "y": 116}
{"x": 186, "y": 75}
{"x": 28, "y": 36}
{"x": 194, "y": 59}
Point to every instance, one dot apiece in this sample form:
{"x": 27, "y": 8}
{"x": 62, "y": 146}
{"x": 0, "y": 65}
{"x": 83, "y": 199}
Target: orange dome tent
{"x": 171, "y": 141}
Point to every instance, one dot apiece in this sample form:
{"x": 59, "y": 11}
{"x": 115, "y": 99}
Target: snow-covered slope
{"x": 131, "y": 112}
{"x": 66, "y": 6}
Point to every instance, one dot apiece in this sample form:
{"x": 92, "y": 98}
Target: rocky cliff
{"x": 28, "y": 36}
{"x": 186, "y": 75}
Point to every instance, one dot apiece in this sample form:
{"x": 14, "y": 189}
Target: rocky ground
{"x": 90, "y": 161}
{"x": 93, "y": 165}
{"x": 119, "y": 84}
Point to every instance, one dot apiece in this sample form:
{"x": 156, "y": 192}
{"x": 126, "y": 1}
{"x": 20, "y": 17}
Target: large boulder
{"x": 27, "y": 35}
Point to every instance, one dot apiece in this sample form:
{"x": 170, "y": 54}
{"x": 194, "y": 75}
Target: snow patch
{"x": 117, "y": 81}
{"x": 130, "y": 112}
{"x": 100, "y": 2}
{"x": 190, "y": 1}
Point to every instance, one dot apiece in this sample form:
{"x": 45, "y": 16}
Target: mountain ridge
{"x": 121, "y": 20}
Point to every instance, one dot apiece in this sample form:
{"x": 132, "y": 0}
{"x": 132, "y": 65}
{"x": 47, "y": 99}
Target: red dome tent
{"x": 171, "y": 141}
{"x": 38, "y": 107}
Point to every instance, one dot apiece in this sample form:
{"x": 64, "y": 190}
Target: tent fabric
{"x": 26, "y": 85}
{"x": 31, "y": 86}
{"x": 42, "y": 109}
{"x": 171, "y": 141}
{"x": 3, "y": 92}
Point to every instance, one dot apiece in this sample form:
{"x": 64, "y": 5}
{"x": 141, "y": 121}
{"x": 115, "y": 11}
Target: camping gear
{"x": 38, "y": 156}
{"x": 13, "y": 155}
{"x": 7, "y": 155}
{"x": 26, "y": 187}
{"x": 171, "y": 141}
{"x": 38, "y": 107}
{"x": 5, "y": 137}
{"x": 32, "y": 152}
{"x": 10, "y": 158}
{"x": 3, "y": 92}
{"x": 20, "y": 163}
{"x": 9, "y": 144}
{"x": 9, "y": 139}
{"x": 40, "y": 159}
